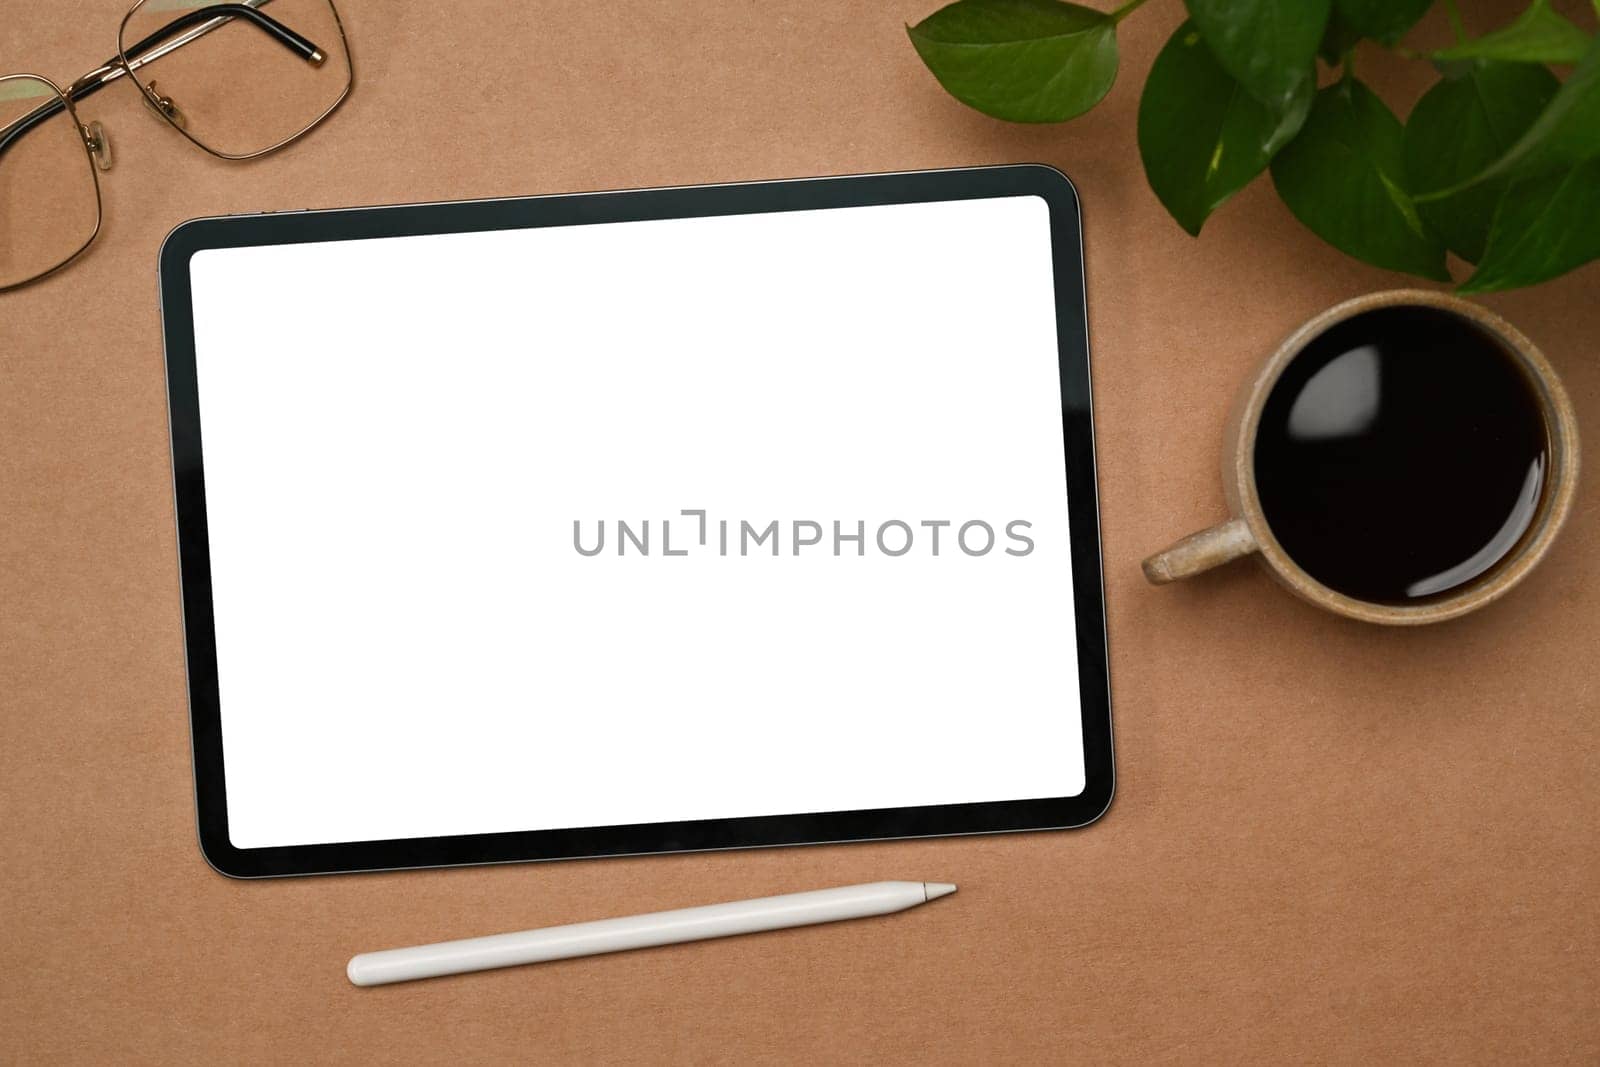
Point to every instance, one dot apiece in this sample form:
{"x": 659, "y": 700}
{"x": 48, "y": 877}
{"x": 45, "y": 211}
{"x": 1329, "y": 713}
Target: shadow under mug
{"x": 1248, "y": 532}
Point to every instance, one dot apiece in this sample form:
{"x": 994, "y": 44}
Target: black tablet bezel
{"x": 645, "y": 204}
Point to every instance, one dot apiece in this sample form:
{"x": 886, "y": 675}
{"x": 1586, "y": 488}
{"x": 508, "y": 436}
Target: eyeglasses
{"x": 235, "y": 80}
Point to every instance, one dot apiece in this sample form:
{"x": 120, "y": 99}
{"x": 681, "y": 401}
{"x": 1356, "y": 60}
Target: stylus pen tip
{"x": 935, "y": 890}
{"x": 355, "y": 971}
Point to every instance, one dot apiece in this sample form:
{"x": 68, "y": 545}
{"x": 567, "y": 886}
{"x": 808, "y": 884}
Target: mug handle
{"x": 1201, "y": 551}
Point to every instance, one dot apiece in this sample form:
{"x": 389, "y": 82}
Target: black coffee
{"x": 1401, "y": 455}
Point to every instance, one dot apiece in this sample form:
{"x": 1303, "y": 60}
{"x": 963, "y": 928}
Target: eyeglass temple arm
{"x": 297, "y": 43}
{"x": 112, "y": 69}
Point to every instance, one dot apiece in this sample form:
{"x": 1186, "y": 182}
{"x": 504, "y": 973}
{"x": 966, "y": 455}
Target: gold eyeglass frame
{"x": 84, "y": 138}
{"x": 96, "y": 151}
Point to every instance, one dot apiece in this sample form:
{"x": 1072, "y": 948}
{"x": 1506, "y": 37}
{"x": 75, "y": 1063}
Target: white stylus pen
{"x": 641, "y": 931}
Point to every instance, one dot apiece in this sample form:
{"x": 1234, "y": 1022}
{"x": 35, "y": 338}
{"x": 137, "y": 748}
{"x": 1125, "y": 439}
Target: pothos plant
{"x": 1499, "y": 162}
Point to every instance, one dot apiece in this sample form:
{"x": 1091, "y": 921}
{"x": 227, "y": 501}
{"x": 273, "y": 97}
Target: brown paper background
{"x": 1330, "y": 841}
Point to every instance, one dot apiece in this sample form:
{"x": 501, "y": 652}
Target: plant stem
{"x": 1133, "y": 5}
{"x": 1453, "y": 13}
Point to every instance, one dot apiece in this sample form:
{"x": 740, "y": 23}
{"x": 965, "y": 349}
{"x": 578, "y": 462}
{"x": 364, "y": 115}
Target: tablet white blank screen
{"x": 401, "y": 434}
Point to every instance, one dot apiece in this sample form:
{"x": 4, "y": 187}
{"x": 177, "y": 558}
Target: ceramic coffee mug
{"x": 1248, "y": 532}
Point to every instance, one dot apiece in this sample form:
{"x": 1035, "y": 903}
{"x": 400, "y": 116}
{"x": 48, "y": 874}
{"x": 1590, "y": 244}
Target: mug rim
{"x": 1561, "y": 432}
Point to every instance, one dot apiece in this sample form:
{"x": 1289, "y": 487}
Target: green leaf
{"x": 1539, "y": 35}
{"x": 1382, "y": 20}
{"x": 1459, "y": 127}
{"x": 1268, "y": 46}
{"x": 1344, "y": 177}
{"x": 1566, "y": 132}
{"x": 1337, "y": 40}
{"x": 1545, "y": 227}
{"x": 1022, "y": 60}
{"x": 1201, "y": 135}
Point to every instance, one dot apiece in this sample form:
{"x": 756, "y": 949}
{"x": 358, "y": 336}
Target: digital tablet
{"x": 630, "y": 522}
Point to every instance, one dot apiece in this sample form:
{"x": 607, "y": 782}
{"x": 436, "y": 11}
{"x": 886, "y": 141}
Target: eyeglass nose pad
{"x": 99, "y": 143}
{"x": 164, "y": 107}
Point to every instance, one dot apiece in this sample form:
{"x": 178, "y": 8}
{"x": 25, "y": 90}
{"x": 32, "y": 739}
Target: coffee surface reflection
{"x": 1401, "y": 455}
